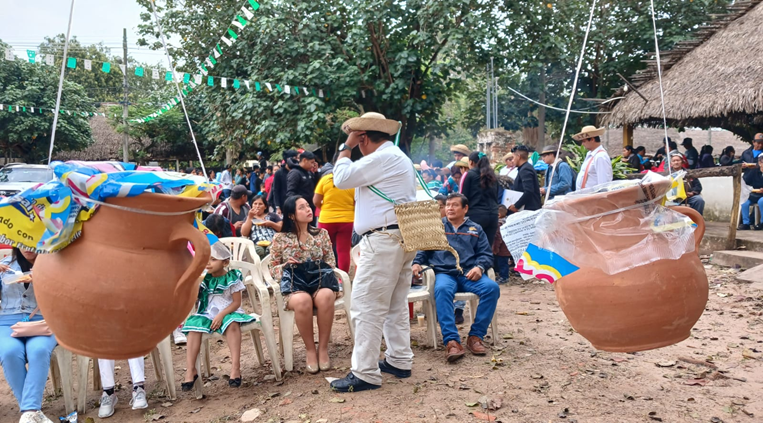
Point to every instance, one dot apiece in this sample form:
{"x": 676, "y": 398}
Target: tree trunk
{"x": 432, "y": 149}
{"x": 542, "y": 109}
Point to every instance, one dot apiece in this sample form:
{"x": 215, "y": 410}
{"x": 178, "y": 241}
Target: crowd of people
{"x": 307, "y": 219}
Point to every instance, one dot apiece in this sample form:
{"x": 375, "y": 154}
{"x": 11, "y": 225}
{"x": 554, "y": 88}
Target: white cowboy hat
{"x": 588, "y": 132}
{"x": 371, "y": 121}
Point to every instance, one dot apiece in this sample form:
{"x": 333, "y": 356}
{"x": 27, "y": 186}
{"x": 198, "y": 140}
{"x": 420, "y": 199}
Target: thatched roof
{"x": 715, "y": 79}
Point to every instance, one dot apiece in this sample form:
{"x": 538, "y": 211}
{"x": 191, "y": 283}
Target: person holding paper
{"x": 526, "y": 182}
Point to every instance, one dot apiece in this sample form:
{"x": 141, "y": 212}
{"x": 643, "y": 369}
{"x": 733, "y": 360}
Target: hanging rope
{"x": 60, "y": 85}
{"x": 572, "y": 96}
{"x": 662, "y": 93}
{"x": 560, "y": 109}
{"x": 177, "y": 86}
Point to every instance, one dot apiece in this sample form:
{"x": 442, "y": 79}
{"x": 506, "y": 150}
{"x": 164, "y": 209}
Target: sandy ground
{"x": 543, "y": 372}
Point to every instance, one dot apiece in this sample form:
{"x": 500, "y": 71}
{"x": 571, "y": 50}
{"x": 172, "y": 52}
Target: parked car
{"x": 17, "y": 177}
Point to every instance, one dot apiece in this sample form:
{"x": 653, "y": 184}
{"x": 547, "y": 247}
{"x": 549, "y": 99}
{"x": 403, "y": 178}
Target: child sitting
{"x": 501, "y": 255}
{"x": 219, "y": 310}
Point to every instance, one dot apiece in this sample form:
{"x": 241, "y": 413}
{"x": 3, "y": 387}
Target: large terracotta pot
{"x": 128, "y": 281}
{"x": 647, "y": 307}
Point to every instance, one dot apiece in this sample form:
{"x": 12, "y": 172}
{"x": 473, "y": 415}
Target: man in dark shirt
{"x": 526, "y": 182}
{"x": 278, "y": 188}
{"x": 692, "y": 156}
{"x": 301, "y": 180}
{"x": 235, "y": 208}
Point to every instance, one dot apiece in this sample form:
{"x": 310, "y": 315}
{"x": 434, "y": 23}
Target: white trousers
{"x": 380, "y": 306}
{"x": 107, "y": 372}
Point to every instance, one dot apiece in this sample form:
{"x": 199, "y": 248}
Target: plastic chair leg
{"x": 83, "y": 363}
{"x": 494, "y": 328}
{"x": 55, "y": 373}
{"x": 199, "y": 385}
{"x": 164, "y": 350}
{"x": 472, "y": 310}
{"x": 258, "y": 347}
{"x": 205, "y": 356}
{"x": 63, "y": 363}
{"x": 270, "y": 342}
{"x": 431, "y": 319}
{"x": 287, "y": 339}
{"x": 97, "y": 387}
{"x": 156, "y": 363}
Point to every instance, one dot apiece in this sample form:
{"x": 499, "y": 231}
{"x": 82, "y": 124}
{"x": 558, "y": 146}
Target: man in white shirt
{"x": 226, "y": 180}
{"x": 380, "y": 290}
{"x": 597, "y": 166}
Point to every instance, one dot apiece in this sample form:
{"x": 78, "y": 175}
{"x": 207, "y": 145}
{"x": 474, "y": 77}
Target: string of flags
{"x": 15, "y": 108}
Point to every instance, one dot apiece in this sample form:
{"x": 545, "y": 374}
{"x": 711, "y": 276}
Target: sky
{"x": 25, "y": 23}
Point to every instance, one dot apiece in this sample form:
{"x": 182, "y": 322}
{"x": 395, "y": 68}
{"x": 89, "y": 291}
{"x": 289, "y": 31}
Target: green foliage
{"x": 577, "y": 156}
{"x": 27, "y": 135}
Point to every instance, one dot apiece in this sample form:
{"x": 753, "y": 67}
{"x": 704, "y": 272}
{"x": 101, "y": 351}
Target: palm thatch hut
{"x": 712, "y": 80}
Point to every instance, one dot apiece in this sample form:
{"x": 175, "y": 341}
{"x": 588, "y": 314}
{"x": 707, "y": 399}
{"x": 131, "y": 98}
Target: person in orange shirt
{"x": 337, "y": 216}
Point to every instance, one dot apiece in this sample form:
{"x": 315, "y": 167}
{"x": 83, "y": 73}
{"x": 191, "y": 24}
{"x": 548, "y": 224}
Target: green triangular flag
{"x": 236, "y": 84}
{"x": 242, "y": 20}
{"x": 71, "y": 63}
{"x": 257, "y": 86}
{"x": 212, "y": 59}
{"x": 106, "y": 67}
{"x": 138, "y": 71}
{"x": 31, "y": 54}
{"x": 210, "y": 81}
{"x": 278, "y": 87}
{"x": 254, "y": 4}
{"x": 185, "y": 92}
{"x": 23, "y": 109}
{"x": 168, "y": 76}
{"x": 232, "y": 34}
{"x": 186, "y": 77}
{"x": 314, "y": 93}
{"x": 219, "y": 49}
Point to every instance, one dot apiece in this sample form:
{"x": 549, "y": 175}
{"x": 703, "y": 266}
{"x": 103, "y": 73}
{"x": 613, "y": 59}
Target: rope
{"x": 557, "y": 108}
{"x": 130, "y": 209}
{"x": 572, "y": 95}
{"x": 60, "y": 85}
{"x": 177, "y": 86}
{"x": 662, "y": 93}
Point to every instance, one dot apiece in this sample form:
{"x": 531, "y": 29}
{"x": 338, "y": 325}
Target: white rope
{"x": 177, "y": 86}
{"x": 60, "y": 84}
{"x": 557, "y": 108}
{"x": 82, "y": 200}
{"x": 662, "y": 93}
{"x": 572, "y": 97}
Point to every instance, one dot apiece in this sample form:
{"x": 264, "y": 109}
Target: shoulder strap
{"x": 378, "y": 192}
{"x": 585, "y": 174}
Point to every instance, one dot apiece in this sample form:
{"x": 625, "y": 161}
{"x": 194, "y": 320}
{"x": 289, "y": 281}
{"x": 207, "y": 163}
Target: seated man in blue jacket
{"x": 476, "y": 256}
{"x": 563, "y": 177}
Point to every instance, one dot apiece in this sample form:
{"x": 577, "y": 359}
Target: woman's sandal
{"x": 234, "y": 383}
{"x": 188, "y": 386}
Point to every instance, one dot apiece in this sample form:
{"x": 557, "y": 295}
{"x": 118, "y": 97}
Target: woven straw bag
{"x": 420, "y": 224}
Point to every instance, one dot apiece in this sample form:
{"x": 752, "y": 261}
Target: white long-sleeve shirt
{"x": 599, "y": 172}
{"x": 390, "y": 171}
{"x": 226, "y": 180}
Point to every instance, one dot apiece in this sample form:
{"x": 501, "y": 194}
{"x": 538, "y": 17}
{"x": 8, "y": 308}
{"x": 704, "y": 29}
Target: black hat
{"x": 239, "y": 191}
{"x": 686, "y": 141}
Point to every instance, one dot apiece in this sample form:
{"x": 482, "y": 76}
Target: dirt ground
{"x": 543, "y": 372}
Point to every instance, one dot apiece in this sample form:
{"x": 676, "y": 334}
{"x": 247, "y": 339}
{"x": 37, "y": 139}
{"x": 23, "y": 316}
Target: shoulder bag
{"x": 26, "y": 329}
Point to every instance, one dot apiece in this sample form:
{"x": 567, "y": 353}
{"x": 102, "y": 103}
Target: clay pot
{"x": 647, "y": 307}
{"x": 128, "y": 281}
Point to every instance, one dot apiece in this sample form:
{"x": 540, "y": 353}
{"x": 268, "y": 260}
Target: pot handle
{"x": 188, "y": 233}
{"x": 696, "y": 218}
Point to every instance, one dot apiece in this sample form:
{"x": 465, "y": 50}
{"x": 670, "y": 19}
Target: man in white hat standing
{"x": 597, "y": 166}
{"x": 380, "y": 290}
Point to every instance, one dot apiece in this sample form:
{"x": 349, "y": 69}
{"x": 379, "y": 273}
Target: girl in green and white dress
{"x": 219, "y": 310}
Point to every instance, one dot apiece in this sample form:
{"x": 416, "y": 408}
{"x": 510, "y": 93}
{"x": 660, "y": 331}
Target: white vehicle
{"x": 17, "y": 177}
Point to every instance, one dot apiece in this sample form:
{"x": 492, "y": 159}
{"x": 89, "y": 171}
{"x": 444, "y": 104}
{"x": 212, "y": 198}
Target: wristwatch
{"x": 343, "y": 147}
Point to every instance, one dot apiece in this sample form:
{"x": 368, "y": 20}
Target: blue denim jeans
{"x": 746, "y": 209}
{"x": 28, "y": 386}
{"x": 501, "y": 264}
{"x": 445, "y": 289}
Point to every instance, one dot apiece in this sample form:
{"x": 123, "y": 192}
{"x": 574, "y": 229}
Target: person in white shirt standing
{"x": 380, "y": 290}
{"x": 226, "y": 180}
{"x": 597, "y": 166}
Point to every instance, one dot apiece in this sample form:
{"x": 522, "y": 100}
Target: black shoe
{"x": 743, "y": 227}
{"x": 234, "y": 383}
{"x": 459, "y": 316}
{"x": 394, "y": 371}
{"x": 758, "y": 227}
{"x": 187, "y": 386}
{"x": 352, "y": 384}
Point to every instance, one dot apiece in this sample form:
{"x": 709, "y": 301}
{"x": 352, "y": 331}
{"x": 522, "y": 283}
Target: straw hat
{"x": 417, "y": 167}
{"x": 588, "y": 132}
{"x": 548, "y": 149}
{"x": 507, "y": 156}
{"x": 460, "y": 148}
{"x": 371, "y": 121}
{"x": 462, "y": 163}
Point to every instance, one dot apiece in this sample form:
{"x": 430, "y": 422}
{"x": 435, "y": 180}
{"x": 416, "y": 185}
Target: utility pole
{"x": 488, "y": 116}
{"x": 125, "y": 151}
{"x": 495, "y": 94}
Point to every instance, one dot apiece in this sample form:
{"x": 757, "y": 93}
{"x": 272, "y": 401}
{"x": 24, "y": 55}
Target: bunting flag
{"x": 50, "y": 60}
{"x": 139, "y": 72}
{"x": 9, "y": 54}
{"x": 155, "y": 74}
{"x": 37, "y": 110}
{"x": 88, "y": 64}
{"x": 31, "y": 55}
{"x": 71, "y": 63}
{"x": 106, "y": 68}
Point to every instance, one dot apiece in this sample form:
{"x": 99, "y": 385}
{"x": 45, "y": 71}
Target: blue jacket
{"x": 562, "y": 180}
{"x": 15, "y": 297}
{"x": 469, "y": 240}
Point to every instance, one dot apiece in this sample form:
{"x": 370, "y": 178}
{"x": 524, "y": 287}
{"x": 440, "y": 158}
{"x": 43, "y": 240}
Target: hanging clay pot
{"x": 128, "y": 281}
{"x": 646, "y": 307}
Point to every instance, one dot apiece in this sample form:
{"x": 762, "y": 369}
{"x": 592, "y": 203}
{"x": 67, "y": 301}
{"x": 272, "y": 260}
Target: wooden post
{"x": 628, "y": 135}
{"x": 731, "y": 241}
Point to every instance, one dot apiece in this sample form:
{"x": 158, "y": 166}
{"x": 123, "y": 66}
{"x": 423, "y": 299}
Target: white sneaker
{"x": 34, "y": 417}
{"x": 179, "y": 337}
{"x": 139, "y": 399}
{"x": 108, "y": 402}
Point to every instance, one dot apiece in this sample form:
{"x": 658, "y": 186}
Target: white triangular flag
{"x": 320, "y": 93}
{"x": 224, "y": 82}
{"x": 238, "y": 24}
{"x": 88, "y": 64}
{"x": 287, "y": 89}
{"x": 209, "y": 63}
{"x": 270, "y": 88}
{"x": 247, "y": 83}
{"x": 155, "y": 74}
{"x": 68, "y": 113}
{"x": 306, "y": 92}
{"x": 122, "y": 67}
{"x": 363, "y": 93}
{"x": 32, "y": 109}
{"x": 17, "y": 108}
{"x": 197, "y": 79}
{"x": 226, "y": 41}
{"x": 216, "y": 53}
{"x": 204, "y": 71}
{"x": 9, "y": 54}
{"x": 50, "y": 60}
{"x": 247, "y": 12}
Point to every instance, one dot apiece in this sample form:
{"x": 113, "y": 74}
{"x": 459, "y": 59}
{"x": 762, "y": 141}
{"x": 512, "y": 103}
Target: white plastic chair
{"x": 471, "y": 299}
{"x": 286, "y": 317}
{"x": 256, "y": 291}
{"x": 161, "y": 358}
{"x": 419, "y": 294}
{"x": 61, "y": 376}
{"x": 242, "y": 249}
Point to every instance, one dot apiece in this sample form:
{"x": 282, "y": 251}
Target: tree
{"x": 26, "y": 135}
